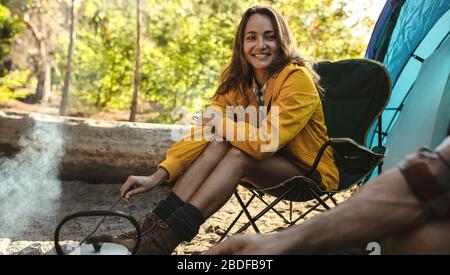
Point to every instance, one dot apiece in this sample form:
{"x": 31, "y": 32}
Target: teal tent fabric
{"x": 425, "y": 117}
{"x": 414, "y": 23}
{"x": 417, "y": 29}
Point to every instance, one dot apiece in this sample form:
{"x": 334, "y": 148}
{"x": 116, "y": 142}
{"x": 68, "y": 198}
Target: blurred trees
{"x": 184, "y": 46}
{"x": 9, "y": 28}
{"x": 137, "y": 66}
{"x": 43, "y": 22}
{"x": 320, "y": 28}
{"x": 68, "y": 71}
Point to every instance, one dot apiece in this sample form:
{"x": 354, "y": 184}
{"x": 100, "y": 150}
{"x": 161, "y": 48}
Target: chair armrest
{"x": 349, "y": 150}
{"x": 379, "y": 150}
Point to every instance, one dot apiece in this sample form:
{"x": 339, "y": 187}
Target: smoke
{"x": 29, "y": 185}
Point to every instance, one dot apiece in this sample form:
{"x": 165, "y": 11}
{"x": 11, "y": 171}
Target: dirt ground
{"x": 37, "y": 237}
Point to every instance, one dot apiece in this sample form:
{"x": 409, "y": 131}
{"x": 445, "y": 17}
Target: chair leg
{"x": 235, "y": 220}
{"x": 290, "y": 211}
{"x": 270, "y": 207}
{"x": 330, "y": 195}
{"x": 273, "y": 209}
{"x": 246, "y": 212}
{"x": 317, "y": 197}
{"x": 366, "y": 179}
{"x": 267, "y": 209}
{"x": 306, "y": 213}
{"x": 314, "y": 208}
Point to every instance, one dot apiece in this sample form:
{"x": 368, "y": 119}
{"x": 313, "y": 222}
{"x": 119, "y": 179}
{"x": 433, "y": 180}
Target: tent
{"x": 411, "y": 38}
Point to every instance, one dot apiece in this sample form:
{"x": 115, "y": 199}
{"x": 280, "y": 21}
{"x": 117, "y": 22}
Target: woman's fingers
{"x": 134, "y": 192}
{"x": 127, "y": 185}
{"x": 134, "y": 185}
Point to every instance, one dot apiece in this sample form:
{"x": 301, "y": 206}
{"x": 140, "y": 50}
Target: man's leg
{"x": 431, "y": 238}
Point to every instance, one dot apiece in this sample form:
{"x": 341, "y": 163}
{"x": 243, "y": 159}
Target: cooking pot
{"x": 97, "y": 248}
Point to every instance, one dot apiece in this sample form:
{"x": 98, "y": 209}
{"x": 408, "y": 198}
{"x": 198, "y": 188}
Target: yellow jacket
{"x": 301, "y": 126}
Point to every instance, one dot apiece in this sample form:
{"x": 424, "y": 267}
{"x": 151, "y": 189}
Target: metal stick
{"x": 100, "y": 223}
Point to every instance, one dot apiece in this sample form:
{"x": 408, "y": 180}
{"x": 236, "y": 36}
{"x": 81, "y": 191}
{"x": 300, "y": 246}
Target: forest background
{"x": 164, "y": 54}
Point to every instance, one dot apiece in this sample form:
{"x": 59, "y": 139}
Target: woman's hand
{"x": 140, "y": 184}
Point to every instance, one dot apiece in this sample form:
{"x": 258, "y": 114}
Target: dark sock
{"x": 185, "y": 222}
{"x": 168, "y": 205}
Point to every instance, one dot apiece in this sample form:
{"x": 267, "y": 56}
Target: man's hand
{"x": 140, "y": 184}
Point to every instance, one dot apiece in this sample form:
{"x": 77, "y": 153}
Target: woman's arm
{"x": 182, "y": 153}
{"x": 290, "y": 112}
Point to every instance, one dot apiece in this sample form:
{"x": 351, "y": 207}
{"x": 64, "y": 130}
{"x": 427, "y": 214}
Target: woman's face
{"x": 260, "y": 44}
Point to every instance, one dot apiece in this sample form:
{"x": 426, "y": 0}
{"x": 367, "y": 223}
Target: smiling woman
{"x": 263, "y": 31}
{"x": 265, "y": 71}
{"x": 260, "y": 46}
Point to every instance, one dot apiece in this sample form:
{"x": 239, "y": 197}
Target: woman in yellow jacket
{"x": 265, "y": 70}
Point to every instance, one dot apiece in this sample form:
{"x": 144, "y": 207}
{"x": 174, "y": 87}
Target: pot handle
{"x": 96, "y": 213}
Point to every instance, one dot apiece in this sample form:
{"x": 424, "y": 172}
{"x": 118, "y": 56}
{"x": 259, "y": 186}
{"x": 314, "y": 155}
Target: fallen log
{"x": 94, "y": 150}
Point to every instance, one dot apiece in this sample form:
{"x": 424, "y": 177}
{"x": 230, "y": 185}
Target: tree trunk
{"x": 44, "y": 79}
{"x": 66, "y": 89}
{"x": 44, "y": 69}
{"x": 137, "y": 73}
{"x": 94, "y": 150}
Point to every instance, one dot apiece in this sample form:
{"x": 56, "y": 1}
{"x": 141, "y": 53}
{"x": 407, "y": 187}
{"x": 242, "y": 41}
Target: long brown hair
{"x": 238, "y": 74}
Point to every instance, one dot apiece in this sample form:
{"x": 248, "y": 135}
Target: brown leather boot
{"x": 147, "y": 223}
{"x": 161, "y": 240}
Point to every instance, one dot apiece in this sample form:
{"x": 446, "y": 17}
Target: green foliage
{"x": 9, "y": 28}
{"x": 185, "y": 45}
{"x": 9, "y": 81}
{"x": 11, "y": 85}
{"x": 103, "y": 59}
{"x": 181, "y": 66}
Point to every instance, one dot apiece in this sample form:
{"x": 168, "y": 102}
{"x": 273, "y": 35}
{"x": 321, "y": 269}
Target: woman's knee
{"x": 218, "y": 147}
{"x": 236, "y": 153}
{"x": 239, "y": 157}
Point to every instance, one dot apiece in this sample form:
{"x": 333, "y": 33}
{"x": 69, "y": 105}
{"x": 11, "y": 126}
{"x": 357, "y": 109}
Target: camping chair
{"x": 356, "y": 93}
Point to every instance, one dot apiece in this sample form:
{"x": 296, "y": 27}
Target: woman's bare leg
{"x": 222, "y": 182}
{"x": 200, "y": 169}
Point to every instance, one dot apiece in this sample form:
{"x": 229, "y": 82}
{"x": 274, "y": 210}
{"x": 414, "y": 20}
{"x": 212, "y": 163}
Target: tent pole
{"x": 380, "y": 137}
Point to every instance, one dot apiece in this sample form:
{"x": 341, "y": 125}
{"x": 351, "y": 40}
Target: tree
{"x": 137, "y": 73}
{"x": 36, "y": 15}
{"x": 9, "y": 28}
{"x": 320, "y": 28}
{"x": 36, "y": 24}
{"x": 66, "y": 89}
{"x": 182, "y": 45}
{"x": 103, "y": 65}
{"x": 10, "y": 79}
